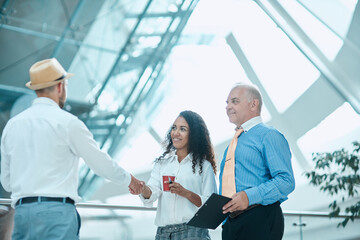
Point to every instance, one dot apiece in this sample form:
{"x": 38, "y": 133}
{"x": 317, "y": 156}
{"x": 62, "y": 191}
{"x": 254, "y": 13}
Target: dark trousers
{"x": 259, "y": 223}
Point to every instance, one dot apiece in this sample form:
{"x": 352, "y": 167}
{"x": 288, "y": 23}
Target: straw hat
{"x": 46, "y": 73}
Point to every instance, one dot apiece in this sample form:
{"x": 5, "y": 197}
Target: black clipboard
{"x": 210, "y": 214}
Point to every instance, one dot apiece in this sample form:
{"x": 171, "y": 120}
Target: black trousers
{"x": 259, "y": 223}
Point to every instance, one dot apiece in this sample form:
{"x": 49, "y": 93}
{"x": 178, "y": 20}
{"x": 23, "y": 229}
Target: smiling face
{"x": 240, "y": 108}
{"x": 180, "y": 134}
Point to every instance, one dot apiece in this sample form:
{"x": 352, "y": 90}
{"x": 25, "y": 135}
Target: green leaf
{"x": 337, "y": 173}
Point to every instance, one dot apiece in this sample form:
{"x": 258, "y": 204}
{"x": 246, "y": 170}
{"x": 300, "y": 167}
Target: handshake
{"x": 136, "y": 186}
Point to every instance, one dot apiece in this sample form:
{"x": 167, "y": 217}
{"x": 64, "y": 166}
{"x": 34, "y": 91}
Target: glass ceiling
{"x": 299, "y": 99}
{"x": 201, "y": 74}
{"x": 281, "y": 68}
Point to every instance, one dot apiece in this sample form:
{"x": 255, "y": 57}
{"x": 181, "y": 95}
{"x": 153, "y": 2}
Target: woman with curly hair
{"x": 189, "y": 158}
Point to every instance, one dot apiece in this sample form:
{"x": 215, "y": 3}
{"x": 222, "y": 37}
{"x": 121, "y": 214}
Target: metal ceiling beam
{"x": 14, "y": 91}
{"x": 346, "y": 41}
{"x": 4, "y": 6}
{"x": 330, "y": 71}
{"x": 84, "y": 183}
{"x": 4, "y": 13}
{"x": 159, "y": 54}
{"x": 154, "y": 34}
{"x": 68, "y": 27}
{"x": 115, "y": 129}
{"x": 115, "y": 139}
{"x": 123, "y": 50}
{"x": 251, "y": 74}
{"x": 168, "y": 44}
{"x": 156, "y": 15}
{"x": 55, "y": 38}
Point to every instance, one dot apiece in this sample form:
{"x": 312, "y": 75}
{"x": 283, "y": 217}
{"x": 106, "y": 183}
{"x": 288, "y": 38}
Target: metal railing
{"x": 6, "y": 201}
{"x": 288, "y": 214}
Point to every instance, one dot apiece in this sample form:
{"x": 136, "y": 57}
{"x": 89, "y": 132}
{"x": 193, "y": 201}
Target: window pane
{"x": 337, "y": 14}
{"x": 139, "y": 155}
{"x": 324, "y": 39}
{"x": 336, "y": 131}
{"x": 282, "y": 69}
{"x": 202, "y": 77}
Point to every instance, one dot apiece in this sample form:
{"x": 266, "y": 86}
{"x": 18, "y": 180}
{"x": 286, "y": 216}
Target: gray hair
{"x": 252, "y": 92}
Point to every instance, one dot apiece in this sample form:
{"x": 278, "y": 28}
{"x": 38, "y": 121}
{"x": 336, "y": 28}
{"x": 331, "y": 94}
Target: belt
{"x": 44, "y": 199}
{"x": 239, "y": 212}
{"x": 172, "y": 228}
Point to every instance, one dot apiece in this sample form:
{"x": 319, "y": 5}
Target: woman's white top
{"x": 172, "y": 208}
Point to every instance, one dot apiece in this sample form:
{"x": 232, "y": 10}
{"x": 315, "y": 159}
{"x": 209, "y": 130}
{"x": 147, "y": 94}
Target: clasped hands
{"x": 137, "y": 187}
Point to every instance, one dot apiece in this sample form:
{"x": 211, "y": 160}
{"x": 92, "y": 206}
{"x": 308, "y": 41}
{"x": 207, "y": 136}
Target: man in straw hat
{"x": 40, "y": 151}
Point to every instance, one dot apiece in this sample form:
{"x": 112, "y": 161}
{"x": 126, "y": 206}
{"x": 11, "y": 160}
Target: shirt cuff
{"x": 253, "y": 196}
{"x": 149, "y": 201}
{"x": 128, "y": 179}
{"x": 203, "y": 199}
{"x": 146, "y": 201}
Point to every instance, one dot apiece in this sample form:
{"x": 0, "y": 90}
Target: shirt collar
{"x": 172, "y": 156}
{"x": 45, "y": 100}
{"x": 188, "y": 157}
{"x": 251, "y": 123}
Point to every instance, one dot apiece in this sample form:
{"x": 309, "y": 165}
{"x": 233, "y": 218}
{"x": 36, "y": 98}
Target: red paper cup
{"x": 166, "y": 187}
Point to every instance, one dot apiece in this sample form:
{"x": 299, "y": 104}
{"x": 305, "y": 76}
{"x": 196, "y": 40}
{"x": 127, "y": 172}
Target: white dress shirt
{"x": 40, "y": 150}
{"x": 172, "y": 208}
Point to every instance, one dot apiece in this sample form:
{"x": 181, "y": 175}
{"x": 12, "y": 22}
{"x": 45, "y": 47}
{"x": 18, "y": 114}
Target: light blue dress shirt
{"x": 262, "y": 164}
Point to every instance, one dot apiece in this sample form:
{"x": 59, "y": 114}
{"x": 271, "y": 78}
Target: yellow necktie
{"x": 228, "y": 178}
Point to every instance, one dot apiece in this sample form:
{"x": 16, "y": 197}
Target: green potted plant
{"x": 337, "y": 174}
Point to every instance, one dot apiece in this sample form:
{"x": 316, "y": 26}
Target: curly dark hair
{"x": 199, "y": 141}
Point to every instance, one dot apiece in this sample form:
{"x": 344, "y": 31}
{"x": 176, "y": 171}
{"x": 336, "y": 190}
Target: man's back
{"x": 40, "y": 151}
{"x": 42, "y": 162}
